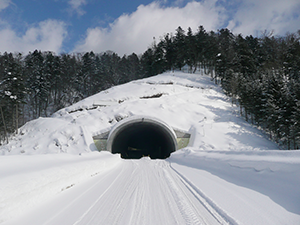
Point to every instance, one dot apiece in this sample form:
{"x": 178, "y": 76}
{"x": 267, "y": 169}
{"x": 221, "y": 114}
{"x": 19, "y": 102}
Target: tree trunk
{"x": 17, "y": 119}
{"x": 5, "y": 132}
{"x": 246, "y": 115}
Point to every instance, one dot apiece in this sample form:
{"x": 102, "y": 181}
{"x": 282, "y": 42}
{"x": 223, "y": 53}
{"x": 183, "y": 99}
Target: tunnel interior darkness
{"x": 140, "y": 139}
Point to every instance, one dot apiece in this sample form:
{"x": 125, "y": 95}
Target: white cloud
{"x": 76, "y": 6}
{"x": 134, "y": 32}
{"x": 46, "y": 36}
{"x": 254, "y": 16}
{"x": 4, "y": 4}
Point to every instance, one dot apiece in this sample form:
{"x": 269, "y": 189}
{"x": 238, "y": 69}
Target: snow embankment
{"x": 28, "y": 181}
{"x": 251, "y": 187}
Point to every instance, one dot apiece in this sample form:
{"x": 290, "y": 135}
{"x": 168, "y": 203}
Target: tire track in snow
{"x": 159, "y": 201}
{"x": 97, "y": 207}
{"x": 148, "y": 192}
{"x": 136, "y": 192}
{"x": 182, "y": 201}
{"x": 137, "y": 197}
{"x": 191, "y": 207}
{"x": 49, "y": 221}
{"x": 212, "y": 208}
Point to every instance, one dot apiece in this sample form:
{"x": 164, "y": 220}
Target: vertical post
{"x": 5, "y": 132}
{"x": 17, "y": 118}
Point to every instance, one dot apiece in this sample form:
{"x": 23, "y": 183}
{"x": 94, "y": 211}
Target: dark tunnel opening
{"x": 140, "y": 139}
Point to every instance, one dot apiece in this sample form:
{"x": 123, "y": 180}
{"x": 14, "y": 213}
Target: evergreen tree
{"x": 70, "y": 90}
{"x": 134, "y": 67}
{"x": 201, "y": 46}
{"x": 191, "y": 51}
{"x": 170, "y": 51}
{"x": 98, "y": 76}
{"x": 226, "y": 53}
{"x": 87, "y": 72}
{"x": 12, "y": 91}
{"x": 159, "y": 62}
{"x": 52, "y": 74}
{"x": 211, "y": 54}
{"x": 147, "y": 60}
{"x": 291, "y": 56}
{"x": 295, "y": 117}
{"x": 180, "y": 48}
{"x": 38, "y": 84}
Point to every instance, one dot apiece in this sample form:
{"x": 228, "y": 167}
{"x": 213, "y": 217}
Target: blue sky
{"x": 129, "y": 26}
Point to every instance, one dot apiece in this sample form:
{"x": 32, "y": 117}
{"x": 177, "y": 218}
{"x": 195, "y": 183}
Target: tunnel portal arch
{"x": 136, "y": 137}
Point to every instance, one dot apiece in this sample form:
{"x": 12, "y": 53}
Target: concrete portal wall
{"x": 140, "y": 119}
{"x": 104, "y": 141}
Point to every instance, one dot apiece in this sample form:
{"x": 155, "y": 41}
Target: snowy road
{"x": 134, "y": 192}
{"x": 190, "y": 187}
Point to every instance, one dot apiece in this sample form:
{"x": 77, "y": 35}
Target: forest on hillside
{"x": 260, "y": 74}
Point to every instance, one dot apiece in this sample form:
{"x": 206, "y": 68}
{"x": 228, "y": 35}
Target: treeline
{"x": 40, "y": 83}
{"x": 260, "y": 74}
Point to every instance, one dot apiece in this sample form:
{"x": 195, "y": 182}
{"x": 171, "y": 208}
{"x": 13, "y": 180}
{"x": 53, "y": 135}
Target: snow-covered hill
{"x": 239, "y": 176}
{"x": 185, "y": 101}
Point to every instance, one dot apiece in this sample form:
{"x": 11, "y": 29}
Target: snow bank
{"x": 27, "y": 181}
{"x": 251, "y": 187}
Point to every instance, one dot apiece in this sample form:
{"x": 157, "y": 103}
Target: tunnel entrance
{"x": 140, "y": 137}
{"x": 143, "y": 139}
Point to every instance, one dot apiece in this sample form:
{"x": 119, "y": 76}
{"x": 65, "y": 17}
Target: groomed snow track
{"x": 133, "y": 192}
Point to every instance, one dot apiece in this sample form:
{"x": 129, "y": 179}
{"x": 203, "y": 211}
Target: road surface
{"x": 133, "y": 192}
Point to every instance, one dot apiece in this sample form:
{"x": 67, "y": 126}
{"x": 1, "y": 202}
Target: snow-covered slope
{"x": 185, "y": 101}
{"x": 229, "y": 167}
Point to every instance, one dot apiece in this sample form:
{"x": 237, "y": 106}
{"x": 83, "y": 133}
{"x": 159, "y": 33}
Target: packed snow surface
{"x": 52, "y": 173}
